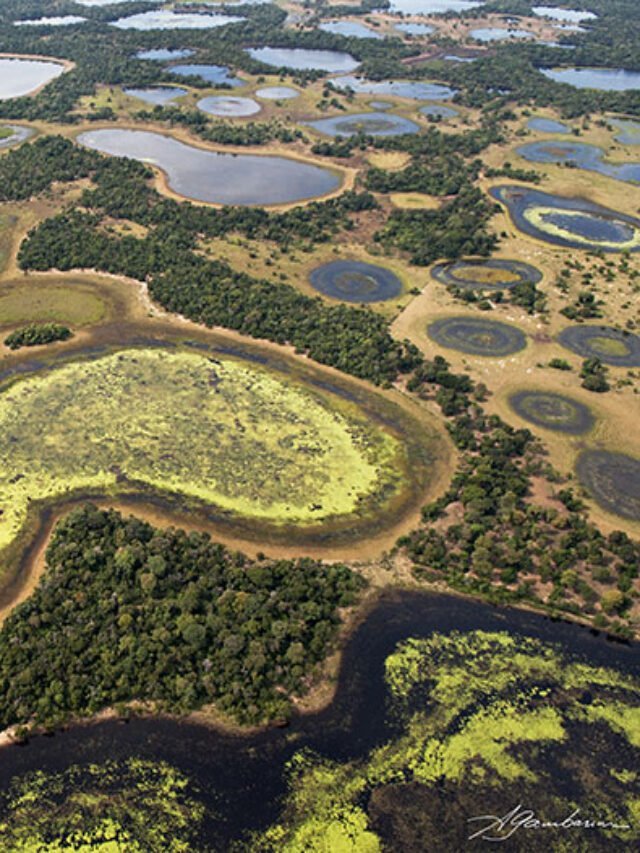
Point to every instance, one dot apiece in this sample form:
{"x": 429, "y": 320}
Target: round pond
{"x": 477, "y": 336}
{"x": 355, "y": 281}
{"x": 552, "y": 411}
{"x": 485, "y": 273}
{"x": 371, "y": 124}
{"x": 611, "y": 346}
{"x": 612, "y": 480}
{"x": 225, "y": 105}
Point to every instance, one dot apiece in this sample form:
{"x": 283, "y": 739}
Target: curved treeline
{"x": 126, "y": 612}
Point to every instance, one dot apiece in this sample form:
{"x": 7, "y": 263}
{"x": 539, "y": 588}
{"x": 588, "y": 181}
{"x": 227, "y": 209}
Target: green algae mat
{"x": 229, "y": 434}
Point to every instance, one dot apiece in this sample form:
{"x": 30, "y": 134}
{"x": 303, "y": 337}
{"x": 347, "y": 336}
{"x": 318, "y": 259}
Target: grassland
{"x": 71, "y": 301}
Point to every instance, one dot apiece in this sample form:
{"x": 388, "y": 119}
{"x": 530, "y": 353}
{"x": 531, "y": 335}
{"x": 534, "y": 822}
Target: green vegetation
{"x": 134, "y": 805}
{"x": 481, "y": 716}
{"x": 225, "y": 433}
{"x": 128, "y": 612}
{"x": 36, "y": 334}
{"x": 594, "y": 375}
{"x": 33, "y": 301}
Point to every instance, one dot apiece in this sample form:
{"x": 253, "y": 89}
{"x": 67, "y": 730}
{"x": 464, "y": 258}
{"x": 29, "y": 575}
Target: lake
{"x": 558, "y": 13}
{"x": 349, "y": 29}
{"x": 242, "y": 780}
{"x": 229, "y": 107}
{"x": 572, "y": 222}
{"x": 487, "y": 34}
{"x": 582, "y": 156}
{"x": 604, "y": 79}
{"x": 400, "y": 88}
{"x": 20, "y": 77}
{"x": 372, "y": 124}
{"x": 301, "y": 59}
{"x": 217, "y": 75}
{"x": 211, "y": 176}
{"x": 157, "y": 95}
{"x": 547, "y": 125}
{"x": 166, "y": 19}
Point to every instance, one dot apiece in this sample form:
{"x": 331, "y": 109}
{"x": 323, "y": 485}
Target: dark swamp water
{"x": 243, "y": 779}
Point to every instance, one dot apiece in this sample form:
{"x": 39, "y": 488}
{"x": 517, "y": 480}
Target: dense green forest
{"x": 37, "y": 333}
{"x": 129, "y": 612}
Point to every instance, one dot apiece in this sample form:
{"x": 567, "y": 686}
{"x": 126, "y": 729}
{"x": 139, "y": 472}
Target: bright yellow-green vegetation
{"x": 29, "y": 302}
{"x": 415, "y": 201}
{"x": 609, "y": 346}
{"x": 537, "y": 216}
{"x": 236, "y": 436}
{"x": 486, "y": 275}
{"x": 136, "y": 807}
{"x": 479, "y": 711}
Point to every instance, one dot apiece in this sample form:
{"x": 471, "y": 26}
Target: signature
{"x": 496, "y": 828}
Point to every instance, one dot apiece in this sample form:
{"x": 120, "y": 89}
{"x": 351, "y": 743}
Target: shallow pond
{"x": 400, "y": 88}
{"x": 18, "y": 135}
{"x": 20, "y": 77}
{"x": 372, "y": 124}
{"x": 438, "y": 111}
{"x": 587, "y": 157}
{"x": 629, "y": 131}
{"x": 485, "y": 273}
{"x": 557, "y": 13}
{"x": 432, "y": 7}
{"x": 610, "y": 345}
{"x": 164, "y": 55}
{"x": 613, "y": 481}
{"x": 61, "y": 21}
{"x": 217, "y": 75}
{"x": 551, "y": 411}
{"x": 477, "y": 336}
{"x": 547, "y": 125}
{"x": 349, "y": 29}
{"x": 605, "y": 79}
{"x": 242, "y": 780}
{"x": 572, "y": 222}
{"x": 210, "y": 176}
{"x": 415, "y": 29}
{"x": 228, "y": 106}
{"x": 301, "y": 59}
{"x": 168, "y": 19}
{"x": 157, "y": 95}
{"x": 277, "y": 93}
{"x": 487, "y": 34}
{"x": 355, "y": 281}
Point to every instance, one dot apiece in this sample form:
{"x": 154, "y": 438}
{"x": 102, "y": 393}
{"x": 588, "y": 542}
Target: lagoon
{"x": 210, "y": 176}
{"x": 301, "y": 59}
{"x": 20, "y": 77}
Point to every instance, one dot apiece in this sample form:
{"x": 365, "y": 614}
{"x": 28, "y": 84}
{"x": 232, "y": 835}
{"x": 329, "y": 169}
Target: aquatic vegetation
{"x": 610, "y": 345}
{"x": 371, "y": 124}
{"x": 552, "y": 411}
{"x": 577, "y": 154}
{"x": 221, "y": 432}
{"x": 483, "y": 716}
{"x": 134, "y": 805}
{"x": 612, "y": 480}
{"x": 354, "y": 281}
{"x": 485, "y": 273}
{"x": 477, "y": 336}
{"x": 32, "y": 300}
{"x": 572, "y": 222}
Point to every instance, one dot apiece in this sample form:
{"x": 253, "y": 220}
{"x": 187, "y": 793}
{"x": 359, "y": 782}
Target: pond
{"x": 410, "y": 89}
{"x": 477, "y": 336}
{"x": 20, "y": 77}
{"x": 558, "y": 13}
{"x": 487, "y": 34}
{"x": 355, "y": 281}
{"x": 162, "y": 54}
{"x": 157, "y": 95}
{"x": 210, "y": 176}
{"x": 61, "y": 21}
{"x": 552, "y": 411}
{"x": 413, "y": 29}
{"x": 227, "y": 106}
{"x": 301, "y": 59}
{"x": 349, "y": 29}
{"x": 610, "y": 345}
{"x": 239, "y": 783}
{"x": 628, "y": 131}
{"x": 582, "y": 156}
{"x": 439, "y": 111}
{"x": 612, "y": 480}
{"x": 372, "y": 124}
{"x": 277, "y": 93}
{"x": 16, "y": 135}
{"x": 572, "y": 222}
{"x": 547, "y": 125}
{"x": 168, "y": 19}
{"x": 432, "y": 7}
{"x": 217, "y": 75}
{"x": 485, "y": 273}
{"x": 604, "y": 79}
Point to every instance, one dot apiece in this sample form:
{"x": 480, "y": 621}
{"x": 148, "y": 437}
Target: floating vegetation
{"x": 476, "y": 336}
{"x": 133, "y": 805}
{"x": 355, "y": 281}
{"x": 573, "y": 222}
{"x": 612, "y": 480}
{"x": 484, "y": 721}
{"x": 552, "y": 411}
{"x": 611, "y": 346}
{"x": 485, "y": 274}
{"x": 226, "y": 434}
